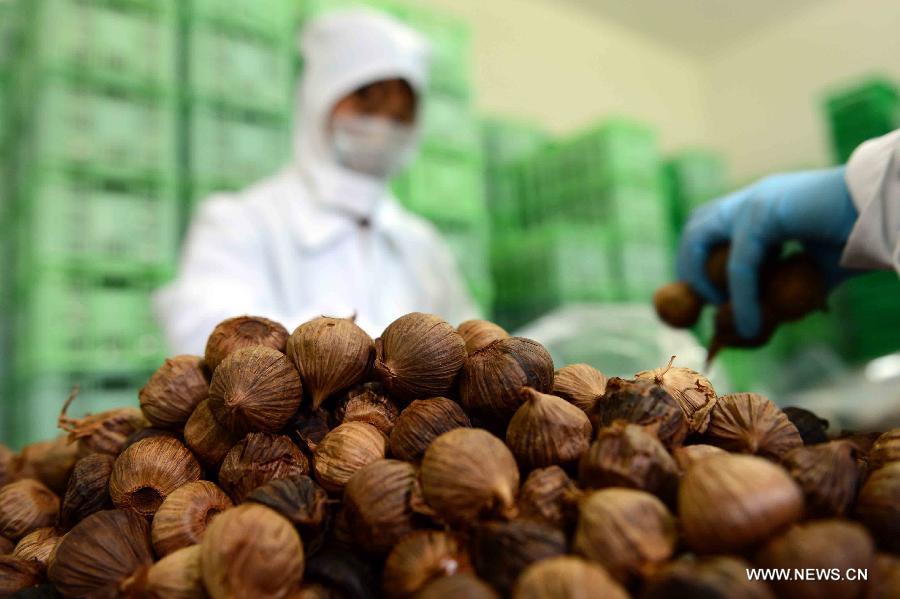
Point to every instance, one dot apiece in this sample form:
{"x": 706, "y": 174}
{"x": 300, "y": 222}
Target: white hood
{"x": 341, "y": 52}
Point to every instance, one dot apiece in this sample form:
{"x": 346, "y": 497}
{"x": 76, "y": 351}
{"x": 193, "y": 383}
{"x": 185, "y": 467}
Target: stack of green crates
{"x": 9, "y": 51}
{"x": 513, "y": 256}
{"x": 624, "y": 189}
{"x": 506, "y": 140}
{"x": 865, "y": 305}
{"x": 239, "y": 67}
{"x": 9, "y": 48}
{"x": 538, "y": 269}
{"x": 504, "y": 190}
{"x": 600, "y": 192}
{"x": 692, "y": 178}
{"x": 505, "y": 144}
{"x": 99, "y": 225}
{"x": 867, "y": 309}
{"x": 9, "y": 41}
{"x": 96, "y": 200}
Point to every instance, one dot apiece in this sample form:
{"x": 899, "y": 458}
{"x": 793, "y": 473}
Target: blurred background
{"x": 565, "y": 143}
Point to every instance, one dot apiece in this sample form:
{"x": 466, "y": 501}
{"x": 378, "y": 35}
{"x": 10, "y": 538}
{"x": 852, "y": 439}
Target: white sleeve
{"x": 222, "y": 274}
{"x": 873, "y": 177}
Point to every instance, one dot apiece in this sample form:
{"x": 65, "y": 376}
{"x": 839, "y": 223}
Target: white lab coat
{"x": 873, "y": 177}
{"x": 317, "y": 238}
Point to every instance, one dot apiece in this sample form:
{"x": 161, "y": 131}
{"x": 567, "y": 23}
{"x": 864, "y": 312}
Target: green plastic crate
{"x": 532, "y": 192}
{"x": 504, "y": 196}
{"x": 103, "y": 225}
{"x": 241, "y": 70}
{"x": 581, "y": 264}
{"x": 67, "y": 321}
{"x": 845, "y": 142}
{"x": 693, "y": 177}
{"x": 10, "y": 30}
{"x": 556, "y": 264}
{"x": 7, "y": 223}
{"x": 514, "y": 255}
{"x": 513, "y": 306}
{"x": 545, "y": 171}
{"x": 505, "y": 141}
{"x": 864, "y": 111}
{"x": 844, "y": 150}
{"x": 605, "y": 176}
{"x": 616, "y": 147}
{"x": 538, "y": 270}
{"x": 76, "y": 123}
{"x": 6, "y": 115}
{"x": 269, "y": 19}
{"x": 234, "y": 149}
{"x": 124, "y": 328}
{"x": 309, "y": 9}
{"x": 6, "y": 205}
{"x": 451, "y": 40}
{"x": 820, "y": 329}
{"x": 36, "y": 401}
{"x": 640, "y": 212}
{"x": 128, "y": 38}
{"x": 450, "y": 124}
{"x": 646, "y": 264}
{"x": 867, "y": 306}
{"x": 7, "y": 226}
{"x": 542, "y": 187}
{"x": 448, "y": 190}
{"x": 639, "y": 208}
{"x": 878, "y": 96}
{"x": 5, "y": 377}
{"x": 852, "y": 124}
{"x": 569, "y": 203}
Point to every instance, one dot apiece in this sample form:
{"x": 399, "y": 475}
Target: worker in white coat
{"x": 324, "y": 235}
{"x": 848, "y": 219}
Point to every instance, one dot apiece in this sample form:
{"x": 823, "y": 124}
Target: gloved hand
{"x": 813, "y": 207}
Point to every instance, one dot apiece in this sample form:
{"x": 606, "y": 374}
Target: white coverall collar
{"x": 341, "y": 190}
{"x": 317, "y": 224}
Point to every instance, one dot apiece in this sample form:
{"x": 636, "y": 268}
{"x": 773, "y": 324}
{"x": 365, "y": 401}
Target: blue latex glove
{"x": 813, "y": 207}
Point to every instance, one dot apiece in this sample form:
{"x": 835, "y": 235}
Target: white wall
{"x": 758, "y": 100}
{"x": 564, "y": 68}
{"x": 765, "y": 93}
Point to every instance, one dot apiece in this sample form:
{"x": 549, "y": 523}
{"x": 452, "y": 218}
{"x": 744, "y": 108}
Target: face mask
{"x": 372, "y": 145}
